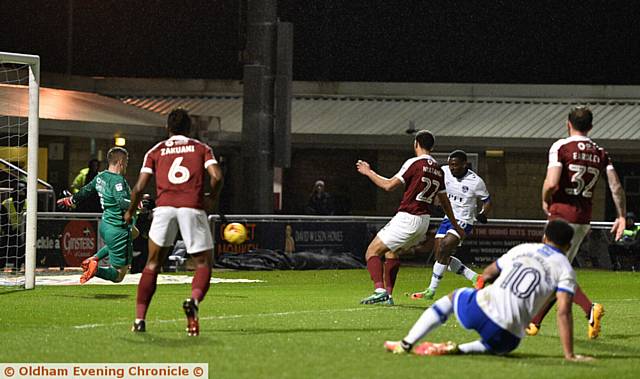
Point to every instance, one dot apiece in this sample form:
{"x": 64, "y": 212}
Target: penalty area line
{"x": 229, "y": 317}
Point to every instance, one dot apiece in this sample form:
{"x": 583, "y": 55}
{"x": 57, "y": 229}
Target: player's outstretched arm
{"x": 565, "y": 327}
{"x": 385, "y": 183}
{"x": 620, "y": 200}
{"x": 136, "y": 195}
{"x": 551, "y": 185}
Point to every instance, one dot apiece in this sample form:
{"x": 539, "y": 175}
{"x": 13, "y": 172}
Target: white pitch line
{"x": 226, "y": 317}
{"x": 277, "y": 314}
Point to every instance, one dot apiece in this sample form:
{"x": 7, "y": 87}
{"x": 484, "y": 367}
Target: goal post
{"x": 33, "y": 64}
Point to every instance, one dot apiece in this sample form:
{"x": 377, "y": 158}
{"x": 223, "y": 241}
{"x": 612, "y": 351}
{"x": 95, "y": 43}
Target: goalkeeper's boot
{"x": 92, "y": 268}
{"x": 377, "y": 297}
{"x": 397, "y": 347}
{"x": 532, "y": 329}
{"x": 427, "y": 294}
{"x": 430, "y": 348}
{"x": 478, "y": 282}
{"x": 191, "y": 311}
{"x": 139, "y": 327}
{"x": 85, "y": 263}
{"x": 595, "y": 320}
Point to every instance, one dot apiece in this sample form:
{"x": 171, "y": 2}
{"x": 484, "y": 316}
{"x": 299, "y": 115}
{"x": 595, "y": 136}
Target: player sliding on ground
{"x": 423, "y": 180}
{"x": 575, "y": 165}
{"x": 114, "y": 193}
{"x": 179, "y": 164}
{"x": 525, "y": 277}
{"x": 464, "y": 189}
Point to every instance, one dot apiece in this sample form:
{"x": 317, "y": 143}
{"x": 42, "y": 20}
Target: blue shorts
{"x": 470, "y": 316}
{"x": 445, "y": 227}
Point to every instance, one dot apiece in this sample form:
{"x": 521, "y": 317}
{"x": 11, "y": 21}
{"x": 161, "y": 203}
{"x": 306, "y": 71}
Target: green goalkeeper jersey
{"x": 114, "y": 193}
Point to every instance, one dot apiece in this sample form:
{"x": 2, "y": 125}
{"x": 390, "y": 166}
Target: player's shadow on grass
{"x": 422, "y": 306}
{"x": 621, "y": 336}
{"x": 100, "y": 296}
{"x": 9, "y": 292}
{"x": 231, "y": 296}
{"x": 558, "y": 357}
{"x": 606, "y": 345}
{"x": 297, "y": 330}
{"x": 161, "y": 341}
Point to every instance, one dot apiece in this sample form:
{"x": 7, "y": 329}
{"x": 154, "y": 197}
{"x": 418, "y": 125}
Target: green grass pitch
{"x": 304, "y": 324}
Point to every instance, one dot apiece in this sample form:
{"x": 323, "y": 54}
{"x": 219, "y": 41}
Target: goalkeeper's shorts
{"x": 119, "y": 242}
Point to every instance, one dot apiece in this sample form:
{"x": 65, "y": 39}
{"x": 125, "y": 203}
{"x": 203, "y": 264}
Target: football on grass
{"x": 235, "y": 233}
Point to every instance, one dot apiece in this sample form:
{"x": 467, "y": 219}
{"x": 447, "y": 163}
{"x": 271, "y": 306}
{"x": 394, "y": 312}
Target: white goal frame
{"x": 33, "y": 61}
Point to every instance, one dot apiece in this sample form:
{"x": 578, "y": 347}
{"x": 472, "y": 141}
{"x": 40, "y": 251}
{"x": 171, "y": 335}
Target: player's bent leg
{"x": 456, "y": 265}
{"x": 475, "y": 347}
{"x": 90, "y": 272}
{"x": 595, "y": 320}
{"x": 536, "y": 322}
{"x": 199, "y": 288}
{"x": 430, "y": 348}
{"x": 391, "y": 268}
{"x": 433, "y": 317}
{"x": 148, "y": 279}
{"x": 202, "y": 277}
{"x": 374, "y": 254}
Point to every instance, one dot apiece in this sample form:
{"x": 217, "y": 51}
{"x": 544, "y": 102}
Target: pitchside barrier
{"x": 65, "y": 239}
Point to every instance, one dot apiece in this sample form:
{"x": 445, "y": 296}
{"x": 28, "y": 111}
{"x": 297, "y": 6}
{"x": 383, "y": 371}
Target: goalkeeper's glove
{"x": 482, "y": 218}
{"x": 66, "y": 202}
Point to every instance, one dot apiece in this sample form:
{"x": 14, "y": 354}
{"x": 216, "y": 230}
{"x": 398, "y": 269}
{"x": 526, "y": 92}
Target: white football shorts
{"x": 404, "y": 230}
{"x": 193, "y": 225}
{"x": 579, "y": 232}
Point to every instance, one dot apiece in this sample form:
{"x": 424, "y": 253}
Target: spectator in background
{"x": 625, "y": 252}
{"x": 85, "y": 176}
{"x": 320, "y": 201}
{"x": 630, "y": 232}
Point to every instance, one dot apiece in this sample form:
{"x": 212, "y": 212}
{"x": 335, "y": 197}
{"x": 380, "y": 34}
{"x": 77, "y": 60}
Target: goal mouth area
{"x": 19, "y": 145}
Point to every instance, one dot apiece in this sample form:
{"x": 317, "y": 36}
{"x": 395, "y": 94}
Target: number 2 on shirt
{"x": 422, "y": 196}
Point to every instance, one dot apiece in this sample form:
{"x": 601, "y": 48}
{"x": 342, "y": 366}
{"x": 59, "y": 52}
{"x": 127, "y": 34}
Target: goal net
{"x": 19, "y": 98}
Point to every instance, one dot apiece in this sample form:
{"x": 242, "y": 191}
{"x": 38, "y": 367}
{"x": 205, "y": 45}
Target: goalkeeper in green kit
{"x": 115, "y": 194}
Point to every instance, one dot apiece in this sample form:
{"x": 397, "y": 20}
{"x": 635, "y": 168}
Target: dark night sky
{"x": 358, "y": 40}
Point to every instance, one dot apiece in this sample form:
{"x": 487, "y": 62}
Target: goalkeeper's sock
{"x": 200, "y": 283}
{"x": 146, "y": 289}
{"x": 107, "y": 273}
{"x": 475, "y": 347}
{"x": 391, "y": 268}
{"x": 433, "y": 317}
{"x": 455, "y": 265}
{"x": 376, "y": 271}
{"x": 102, "y": 253}
{"x": 436, "y": 276}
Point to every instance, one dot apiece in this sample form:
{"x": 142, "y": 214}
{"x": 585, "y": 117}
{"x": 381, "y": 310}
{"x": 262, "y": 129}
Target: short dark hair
{"x": 425, "y": 139}
{"x": 458, "y": 154}
{"x": 178, "y": 121}
{"x": 581, "y": 118}
{"x": 559, "y": 232}
{"x": 116, "y": 153}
